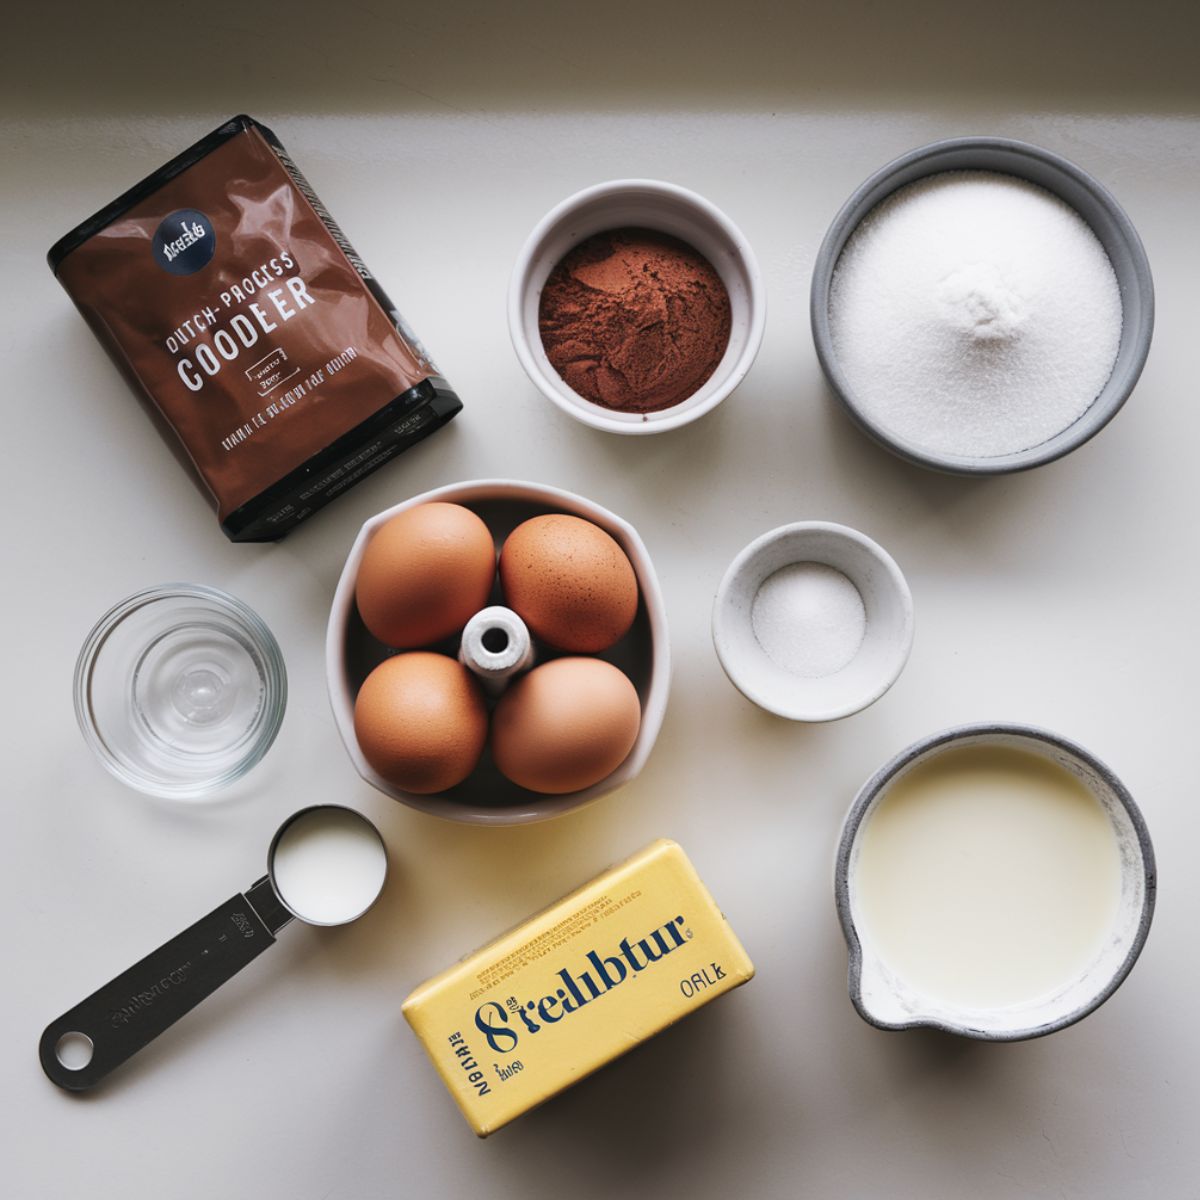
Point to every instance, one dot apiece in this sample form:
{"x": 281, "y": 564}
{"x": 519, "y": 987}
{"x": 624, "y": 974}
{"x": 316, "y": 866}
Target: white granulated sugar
{"x": 809, "y": 618}
{"x": 974, "y": 313}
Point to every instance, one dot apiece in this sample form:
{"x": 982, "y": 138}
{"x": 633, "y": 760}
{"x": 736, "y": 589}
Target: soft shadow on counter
{"x": 918, "y": 491}
{"x": 973, "y": 517}
{"x": 472, "y": 56}
{"x": 669, "y": 1105}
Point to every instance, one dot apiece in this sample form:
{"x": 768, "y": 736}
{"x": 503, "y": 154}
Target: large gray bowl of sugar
{"x": 1097, "y": 208}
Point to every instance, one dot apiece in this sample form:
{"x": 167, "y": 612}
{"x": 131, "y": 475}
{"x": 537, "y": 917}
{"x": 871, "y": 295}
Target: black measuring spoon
{"x": 326, "y": 866}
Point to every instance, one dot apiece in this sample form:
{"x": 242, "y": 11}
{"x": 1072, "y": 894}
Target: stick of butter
{"x": 574, "y": 987}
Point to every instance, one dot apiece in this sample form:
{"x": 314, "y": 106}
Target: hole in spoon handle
{"x": 131, "y": 1010}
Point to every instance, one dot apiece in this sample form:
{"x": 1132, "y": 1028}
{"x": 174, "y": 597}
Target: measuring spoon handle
{"x": 134, "y": 1008}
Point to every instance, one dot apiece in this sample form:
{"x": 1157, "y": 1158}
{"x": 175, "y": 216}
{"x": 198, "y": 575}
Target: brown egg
{"x": 421, "y": 721}
{"x": 566, "y": 725}
{"x": 425, "y": 574}
{"x": 570, "y": 582}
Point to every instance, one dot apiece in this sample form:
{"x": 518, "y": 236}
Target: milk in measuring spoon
{"x": 987, "y": 876}
{"x": 329, "y": 865}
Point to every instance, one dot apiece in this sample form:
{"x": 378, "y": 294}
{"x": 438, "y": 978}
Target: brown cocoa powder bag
{"x": 223, "y": 288}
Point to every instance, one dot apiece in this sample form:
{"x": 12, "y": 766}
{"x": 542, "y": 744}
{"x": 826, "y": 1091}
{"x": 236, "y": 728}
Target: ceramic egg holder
{"x": 643, "y": 654}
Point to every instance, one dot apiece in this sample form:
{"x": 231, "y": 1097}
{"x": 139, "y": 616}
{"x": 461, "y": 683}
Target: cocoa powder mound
{"x": 634, "y": 319}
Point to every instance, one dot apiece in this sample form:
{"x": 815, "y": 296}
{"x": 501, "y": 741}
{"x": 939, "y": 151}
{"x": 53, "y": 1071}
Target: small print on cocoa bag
{"x": 223, "y": 288}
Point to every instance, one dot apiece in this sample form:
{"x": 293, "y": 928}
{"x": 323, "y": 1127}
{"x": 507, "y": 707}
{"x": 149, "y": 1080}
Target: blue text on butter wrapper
{"x": 600, "y": 976}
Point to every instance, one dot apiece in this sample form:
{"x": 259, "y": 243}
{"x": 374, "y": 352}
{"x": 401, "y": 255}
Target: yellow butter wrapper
{"x": 576, "y": 986}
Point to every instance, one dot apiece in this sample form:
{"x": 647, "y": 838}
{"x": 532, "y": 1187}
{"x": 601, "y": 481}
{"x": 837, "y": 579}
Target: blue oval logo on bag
{"x": 184, "y": 242}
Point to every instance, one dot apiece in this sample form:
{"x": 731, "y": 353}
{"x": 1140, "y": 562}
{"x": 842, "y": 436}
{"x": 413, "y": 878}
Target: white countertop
{"x": 1065, "y": 597}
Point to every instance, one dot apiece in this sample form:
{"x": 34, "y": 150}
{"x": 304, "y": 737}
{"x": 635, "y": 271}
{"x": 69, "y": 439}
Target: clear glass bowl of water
{"x": 180, "y": 690}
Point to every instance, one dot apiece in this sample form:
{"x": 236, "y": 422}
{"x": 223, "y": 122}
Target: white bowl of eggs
{"x": 497, "y": 652}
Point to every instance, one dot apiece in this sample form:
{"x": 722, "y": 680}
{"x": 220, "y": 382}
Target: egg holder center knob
{"x": 643, "y": 654}
{"x": 496, "y": 647}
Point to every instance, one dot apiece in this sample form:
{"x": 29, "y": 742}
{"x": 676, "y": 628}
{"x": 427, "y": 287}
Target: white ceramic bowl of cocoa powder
{"x": 638, "y": 204}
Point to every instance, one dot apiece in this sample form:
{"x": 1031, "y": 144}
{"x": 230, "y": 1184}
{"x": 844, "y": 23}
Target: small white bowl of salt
{"x": 813, "y": 621}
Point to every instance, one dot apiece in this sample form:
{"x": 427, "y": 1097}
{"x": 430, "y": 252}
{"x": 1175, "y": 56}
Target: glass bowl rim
{"x": 264, "y": 643}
